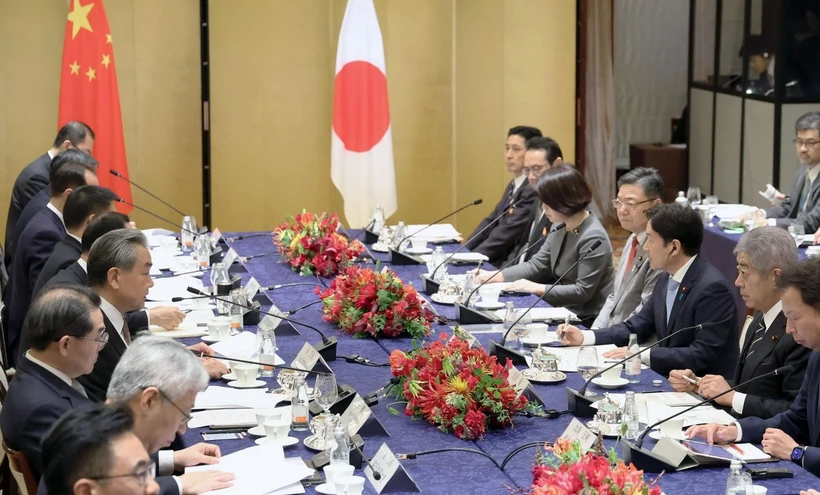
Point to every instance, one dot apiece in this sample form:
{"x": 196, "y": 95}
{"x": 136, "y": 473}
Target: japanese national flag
{"x": 362, "y": 142}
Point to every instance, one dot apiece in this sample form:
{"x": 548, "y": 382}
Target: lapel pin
{"x": 774, "y": 338}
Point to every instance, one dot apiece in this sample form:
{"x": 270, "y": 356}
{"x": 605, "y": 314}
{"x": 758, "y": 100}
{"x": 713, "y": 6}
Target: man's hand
{"x": 570, "y": 335}
{"x": 817, "y": 237}
{"x": 167, "y": 317}
{"x": 214, "y": 368}
{"x": 713, "y": 433}
{"x": 203, "y": 348}
{"x": 679, "y": 384}
{"x": 617, "y": 353}
{"x": 809, "y": 492}
{"x": 712, "y": 385}
{"x": 201, "y": 453}
{"x": 484, "y": 276}
{"x": 524, "y": 285}
{"x": 205, "y": 481}
{"x": 777, "y": 444}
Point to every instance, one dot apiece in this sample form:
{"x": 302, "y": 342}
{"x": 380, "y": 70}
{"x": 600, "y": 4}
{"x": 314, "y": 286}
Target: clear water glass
{"x": 693, "y": 196}
{"x": 522, "y": 330}
{"x": 325, "y": 391}
{"x": 587, "y": 364}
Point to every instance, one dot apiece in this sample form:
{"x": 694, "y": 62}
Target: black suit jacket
{"x": 773, "y": 394}
{"x": 35, "y": 204}
{"x": 497, "y": 242}
{"x": 30, "y": 181}
{"x": 96, "y": 382}
{"x": 65, "y": 253}
{"x": 704, "y": 296}
{"x": 537, "y": 228}
{"x": 37, "y": 243}
{"x": 35, "y": 400}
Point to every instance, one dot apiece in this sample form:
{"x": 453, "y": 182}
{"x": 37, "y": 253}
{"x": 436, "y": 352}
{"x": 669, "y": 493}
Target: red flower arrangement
{"x": 364, "y": 302}
{"x": 456, "y": 387}
{"x": 312, "y": 245}
{"x": 569, "y": 471}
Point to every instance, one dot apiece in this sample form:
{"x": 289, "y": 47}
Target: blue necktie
{"x": 671, "y": 292}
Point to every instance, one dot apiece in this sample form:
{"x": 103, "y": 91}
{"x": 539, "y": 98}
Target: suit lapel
{"x": 686, "y": 285}
{"x": 555, "y": 247}
{"x": 637, "y": 263}
{"x": 799, "y": 182}
{"x": 114, "y": 339}
{"x": 79, "y": 272}
{"x": 72, "y": 243}
{"x": 766, "y": 345}
{"x": 54, "y": 218}
{"x": 55, "y": 383}
{"x": 540, "y": 225}
{"x": 741, "y": 366}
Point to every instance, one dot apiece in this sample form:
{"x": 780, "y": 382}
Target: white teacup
{"x": 759, "y": 490}
{"x": 612, "y": 376}
{"x": 263, "y": 415}
{"x": 246, "y": 373}
{"x": 489, "y": 294}
{"x": 219, "y": 328}
{"x": 276, "y": 430}
{"x": 336, "y": 471}
{"x": 418, "y": 243}
{"x": 672, "y": 428}
{"x": 187, "y": 264}
{"x": 168, "y": 243}
{"x": 538, "y": 331}
{"x": 349, "y": 485}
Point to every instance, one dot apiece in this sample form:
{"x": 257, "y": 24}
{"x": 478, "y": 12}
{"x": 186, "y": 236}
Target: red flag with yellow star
{"x": 88, "y": 89}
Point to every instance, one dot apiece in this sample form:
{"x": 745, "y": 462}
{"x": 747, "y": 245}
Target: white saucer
{"x": 620, "y": 382}
{"x": 444, "y": 299}
{"x": 656, "y": 435}
{"x": 489, "y": 305}
{"x": 326, "y": 489}
{"x": 536, "y": 376}
{"x": 287, "y": 443}
{"x": 412, "y": 250}
{"x": 229, "y": 376}
{"x": 212, "y": 340}
{"x": 254, "y": 384}
{"x": 380, "y": 248}
{"x": 257, "y": 431}
{"x": 549, "y": 339}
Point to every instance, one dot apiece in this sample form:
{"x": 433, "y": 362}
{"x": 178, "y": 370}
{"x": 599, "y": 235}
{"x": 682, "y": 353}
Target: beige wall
{"x": 460, "y": 73}
{"x": 156, "y": 49}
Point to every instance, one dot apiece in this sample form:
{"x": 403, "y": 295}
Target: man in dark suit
{"x": 36, "y": 175}
{"x": 542, "y": 154}
{"x": 498, "y": 240}
{"x": 793, "y": 434}
{"x": 803, "y": 201}
{"x": 41, "y": 199}
{"x": 93, "y": 449}
{"x": 37, "y": 241}
{"x": 762, "y": 255}
{"x": 67, "y": 333}
{"x": 161, "y": 398}
{"x": 691, "y": 292}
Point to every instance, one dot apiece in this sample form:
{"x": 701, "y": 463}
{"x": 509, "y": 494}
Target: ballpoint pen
{"x": 693, "y": 381}
{"x": 732, "y": 445}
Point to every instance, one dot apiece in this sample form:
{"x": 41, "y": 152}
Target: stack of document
{"x": 568, "y": 356}
{"x": 231, "y": 398}
{"x": 544, "y": 314}
{"x": 167, "y": 288}
{"x": 260, "y": 470}
{"x": 662, "y": 405}
{"x": 440, "y": 232}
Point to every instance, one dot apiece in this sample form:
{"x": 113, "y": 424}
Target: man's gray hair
{"x": 117, "y": 248}
{"x": 152, "y": 361}
{"x": 808, "y": 122}
{"x": 768, "y": 248}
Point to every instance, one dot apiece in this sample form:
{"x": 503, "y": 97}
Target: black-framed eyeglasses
{"x": 811, "y": 143}
{"x": 617, "y": 203}
{"x": 185, "y": 416}
{"x": 144, "y": 474}
{"x": 101, "y": 342}
{"x": 535, "y": 169}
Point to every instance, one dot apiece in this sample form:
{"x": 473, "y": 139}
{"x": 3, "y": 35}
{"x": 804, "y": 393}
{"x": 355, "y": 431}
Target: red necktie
{"x": 631, "y": 257}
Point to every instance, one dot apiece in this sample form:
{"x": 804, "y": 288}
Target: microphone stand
{"x": 516, "y": 357}
{"x": 399, "y": 258}
{"x": 654, "y": 462}
{"x": 117, "y": 174}
{"x": 430, "y": 284}
{"x": 274, "y": 366}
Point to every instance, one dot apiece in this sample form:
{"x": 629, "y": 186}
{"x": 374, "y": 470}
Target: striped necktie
{"x": 760, "y": 332}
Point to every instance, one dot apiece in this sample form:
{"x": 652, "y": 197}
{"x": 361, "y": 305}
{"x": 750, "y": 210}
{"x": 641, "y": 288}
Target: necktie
{"x": 671, "y": 292}
{"x": 126, "y": 333}
{"x": 804, "y": 194}
{"x": 757, "y": 337}
{"x": 631, "y": 257}
{"x": 79, "y": 388}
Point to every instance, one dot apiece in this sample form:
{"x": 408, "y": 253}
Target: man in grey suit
{"x": 638, "y": 190}
{"x": 803, "y": 201}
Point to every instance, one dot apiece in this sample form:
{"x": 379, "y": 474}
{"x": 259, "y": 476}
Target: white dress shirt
{"x": 51, "y": 369}
{"x": 768, "y": 319}
{"x": 56, "y": 212}
{"x": 114, "y": 316}
{"x": 603, "y": 319}
{"x": 83, "y": 264}
{"x": 518, "y": 182}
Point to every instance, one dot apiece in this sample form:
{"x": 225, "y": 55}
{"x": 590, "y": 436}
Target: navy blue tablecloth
{"x": 454, "y": 472}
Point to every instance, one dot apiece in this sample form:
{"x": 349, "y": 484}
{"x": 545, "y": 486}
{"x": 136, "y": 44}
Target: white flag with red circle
{"x": 362, "y": 141}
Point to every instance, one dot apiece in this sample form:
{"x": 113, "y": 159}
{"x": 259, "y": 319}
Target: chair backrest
{"x": 21, "y": 471}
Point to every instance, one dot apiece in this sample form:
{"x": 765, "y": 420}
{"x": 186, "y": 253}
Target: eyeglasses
{"x": 811, "y": 143}
{"x": 100, "y": 342}
{"x": 617, "y": 203}
{"x": 536, "y": 169}
{"x": 185, "y": 416}
{"x": 144, "y": 474}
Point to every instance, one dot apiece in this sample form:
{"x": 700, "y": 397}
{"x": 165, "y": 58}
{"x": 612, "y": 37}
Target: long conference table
{"x": 446, "y": 472}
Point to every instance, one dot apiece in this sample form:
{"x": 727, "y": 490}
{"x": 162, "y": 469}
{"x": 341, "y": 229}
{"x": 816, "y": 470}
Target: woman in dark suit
{"x": 583, "y": 290}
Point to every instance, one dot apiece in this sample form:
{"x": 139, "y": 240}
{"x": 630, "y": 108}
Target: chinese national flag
{"x": 88, "y": 89}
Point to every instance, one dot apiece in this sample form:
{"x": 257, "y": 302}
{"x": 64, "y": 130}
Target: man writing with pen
{"x": 762, "y": 255}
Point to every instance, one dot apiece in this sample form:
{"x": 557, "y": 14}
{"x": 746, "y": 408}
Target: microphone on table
{"x": 650, "y": 461}
{"x": 579, "y": 403}
{"x": 248, "y": 236}
{"x": 119, "y": 175}
{"x": 300, "y": 308}
{"x": 508, "y": 207}
{"x": 120, "y": 200}
{"x": 263, "y": 255}
{"x": 398, "y": 258}
{"x": 356, "y": 238}
{"x": 327, "y": 349}
{"x": 280, "y": 286}
{"x": 516, "y": 357}
{"x": 376, "y": 474}
{"x": 270, "y": 365}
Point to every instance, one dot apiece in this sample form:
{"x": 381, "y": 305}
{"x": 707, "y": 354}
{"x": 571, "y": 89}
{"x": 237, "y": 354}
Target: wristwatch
{"x": 797, "y": 454}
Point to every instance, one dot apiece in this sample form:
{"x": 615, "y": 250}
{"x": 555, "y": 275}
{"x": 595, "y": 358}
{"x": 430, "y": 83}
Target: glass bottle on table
{"x": 239, "y": 301}
{"x": 509, "y": 319}
{"x": 222, "y": 289}
{"x": 299, "y": 406}
{"x": 187, "y": 233}
{"x": 399, "y": 241}
{"x": 266, "y": 341}
{"x": 378, "y": 219}
{"x": 629, "y": 418}
{"x": 215, "y": 275}
{"x": 633, "y": 365}
{"x": 203, "y": 251}
{"x": 739, "y": 482}
{"x": 438, "y": 264}
{"x": 340, "y": 451}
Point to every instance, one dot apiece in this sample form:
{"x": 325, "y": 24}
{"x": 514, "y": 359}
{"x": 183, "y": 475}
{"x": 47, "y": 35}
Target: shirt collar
{"x": 75, "y": 237}
{"x": 51, "y": 369}
{"x": 678, "y": 276}
{"x": 773, "y": 312}
{"x": 50, "y": 155}
{"x": 83, "y": 264}
{"x": 641, "y": 238}
{"x": 56, "y": 212}
{"x": 813, "y": 172}
{"x": 519, "y": 181}
{"x": 113, "y": 315}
